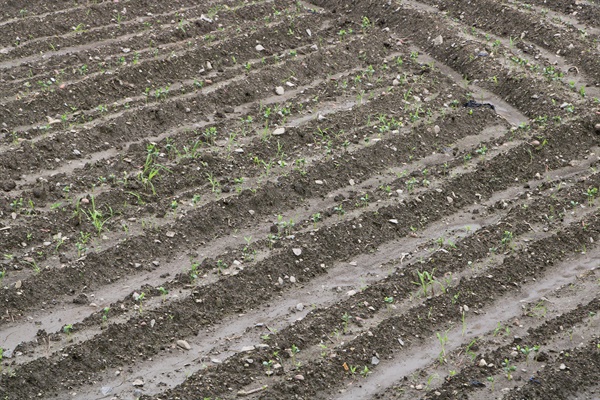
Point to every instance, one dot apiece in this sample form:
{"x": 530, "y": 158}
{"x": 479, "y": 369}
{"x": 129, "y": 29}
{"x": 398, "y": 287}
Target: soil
{"x": 299, "y": 200}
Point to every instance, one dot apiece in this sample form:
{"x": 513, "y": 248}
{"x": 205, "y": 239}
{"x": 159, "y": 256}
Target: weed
{"x": 507, "y": 238}
{"x": 508, "y": 368}
{"x": 293, "y": 351}
{"x": 68, "y": 329}
{"x": 140, "y": 300}
{"x": 339, "y": 210}
{"x": 591, "y": 193}
{"x": 316, "y": 217}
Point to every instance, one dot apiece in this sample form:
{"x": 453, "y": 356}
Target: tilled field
{"x": 298, "y": 200}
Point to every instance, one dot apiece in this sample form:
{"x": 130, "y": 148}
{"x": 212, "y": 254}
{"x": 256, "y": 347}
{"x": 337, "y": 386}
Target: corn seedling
{"x": 365, "y": 371}
{"x": 345, "y": 320}
{"x": 492, "y": 381}
{"x": 443, "y": 339}
{"x": 426, "y": 280}
{"x": 214, "y": 183}
{"x": 97, "y": 217}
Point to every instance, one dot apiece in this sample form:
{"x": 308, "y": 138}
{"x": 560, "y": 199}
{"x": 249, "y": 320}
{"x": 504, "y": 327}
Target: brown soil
{"x": 298, "y": 200}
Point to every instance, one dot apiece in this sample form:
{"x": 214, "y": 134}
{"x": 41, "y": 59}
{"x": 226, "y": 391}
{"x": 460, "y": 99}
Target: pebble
{"x": 482, "y": 363}
{"x": 419, "y": 387}
{"x": 351, "y": 293}
{"x": 278, "y": 131}
{"x": 436, "y": 129}
{"x": 292, "y": 279}
{"x": 184, "y": 345}
{"x": 299, "y": 306}
{"x": 395, "y": 82}
{"x": 319, "y": 182}
{"x": 393, "y": 221}
{"x": 18, "y": 284}
{"x": 299, "y": 377}
{"x": 170, "y": 234}
{"x": 438, "y": 40}
{"x": 562, "y": 367}
{"x": 138, "y": 382}
{"x": 259, "y": 47}
{"x": 297, "y": 251}
{"x": 279, "y": 90}
{"x": 597, "y": 127}
{"x": 374, "y": 360}
{"x": 105, "y": 390}
{"x": 449, "y": 199}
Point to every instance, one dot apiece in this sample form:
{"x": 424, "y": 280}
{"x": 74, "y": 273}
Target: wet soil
{"x": 294, "y": 200}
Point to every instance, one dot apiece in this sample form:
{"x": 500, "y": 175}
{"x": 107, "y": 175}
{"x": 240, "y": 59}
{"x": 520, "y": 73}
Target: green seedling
{"x": 492, "y": 381}
{"x": 591, "y": 194}
{"x": 97, "y": 217}
{"x": 345, "y": 320}
{"x": 339, "y": 210}
{"x": 507, "y": 238}
{"x": 163, "y": 292}
{"x": 293, "y": 351}
{"x": 68, "y": 329}
{"x": 365, "y": 371}
{"x": 140, "y": 300}
{"x": 526, "y": 350}
{"x": 316, "y": 218}
{"x": 426, "y": 280}
{"x": 508, "y": 368}
{"x": 443, "y": 339}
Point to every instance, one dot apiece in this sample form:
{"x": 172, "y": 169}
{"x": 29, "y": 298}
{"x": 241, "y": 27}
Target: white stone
{"x": 184, "y": 345}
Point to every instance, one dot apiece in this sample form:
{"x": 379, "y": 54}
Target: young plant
{"x": 443, "y": 339}
{"x": 293, "y": 351}
{"x": 365, "y": 371}
{"x": 345, "y": 320}
{"x": 97, "y": 217}
{"x": 68, "y": 329}
{"x": 508, "y": 368}
{"x": 526, "y": 350}
{"x": 426, "y": 280}
{"x": 591, "y": 193}
{"x": 316, "y": 217}
{"x": 140, "y": 300}
{"x": 163, "y": 292}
